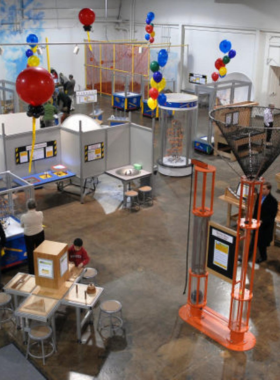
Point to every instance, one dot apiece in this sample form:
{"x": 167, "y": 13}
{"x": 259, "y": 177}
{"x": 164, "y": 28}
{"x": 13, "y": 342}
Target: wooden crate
{"x": 51, "y": 264}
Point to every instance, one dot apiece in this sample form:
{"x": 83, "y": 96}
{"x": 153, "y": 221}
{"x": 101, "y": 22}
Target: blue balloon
{"x": 232, "y": 54}
{"x": 222, "y": 76}
{"x": 157, "y": 76}
{"x": 148, "y": 21}
{"x": 151, "y": 16}
{"x": 147, "y": 37}
{"x": 162, "y": 57}
{"x": 32, "y": 40}
{"x": 161, "y": 99}
{"x": 225, "y": 46}
{"x": 29, "y": 53}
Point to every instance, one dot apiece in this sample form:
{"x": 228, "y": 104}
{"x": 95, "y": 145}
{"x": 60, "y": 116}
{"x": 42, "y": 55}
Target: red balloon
{"x": 87, "y": 16}
{"x": 153, "y": 93}
{"x": 215, "y": 77}
{"x": 152, "y": 40}
{"x": 35, "y": 85}
{"x": 219, "y": 63}
{"x": 149, "y": 28}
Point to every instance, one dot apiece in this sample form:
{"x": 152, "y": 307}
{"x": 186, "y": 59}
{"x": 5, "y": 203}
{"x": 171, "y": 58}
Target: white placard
{"x": 45, "y": 268}
{"x": 87, "y": 96}
{"x": 63, "y": 264}
{"x": 222, "y": 235}
{"x": 38, "y": 154}
{"x": 221, "y": 252}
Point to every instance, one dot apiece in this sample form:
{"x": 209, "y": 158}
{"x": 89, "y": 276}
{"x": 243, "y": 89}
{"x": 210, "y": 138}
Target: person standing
{"x": 49, "y": 112}
{"x": 268, "y": 121}
{"x": 269, "y": 209}
{"x": 70, "y": 89}
{"x": 2, "y": 245}
{"x": 32, "y": 223}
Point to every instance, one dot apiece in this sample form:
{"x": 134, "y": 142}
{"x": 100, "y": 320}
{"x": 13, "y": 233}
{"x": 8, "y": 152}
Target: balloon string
{"x": 33, "y": 142}
{"x": 88, "y": 36}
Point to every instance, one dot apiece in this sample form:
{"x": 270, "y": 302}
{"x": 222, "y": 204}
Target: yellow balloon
{"x": 33, "y": 61}
{"x": 161, "y": 84}
{"x": 152, "y": 103}
{"x": 223, "y": 71}
{"x": 152, "y": 34}
{"x": 34, "y": 49}
{"x": 154, "y": 84}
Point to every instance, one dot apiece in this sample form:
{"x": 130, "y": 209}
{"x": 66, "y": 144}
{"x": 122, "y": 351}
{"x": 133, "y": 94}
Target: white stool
{"x": 88, "y": 275}
{"x": 134, "y": 200}
{"x": 110, "y": 316}
{"x": 6, "y": 307}
{"x": 146, "y": 192}
{"x": 40, "y": 334}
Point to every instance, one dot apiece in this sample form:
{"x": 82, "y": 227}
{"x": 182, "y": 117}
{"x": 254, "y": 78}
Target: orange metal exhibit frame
{"x": 233, "y": 332}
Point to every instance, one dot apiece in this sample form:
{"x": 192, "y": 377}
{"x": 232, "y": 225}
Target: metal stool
{"x": 108, "y": 320}
{"x": 40, "y": 333}
{"x": 5, "y": 307}
{"x": 88, "y": 275}
{"x": 134, "y": 201}
{"x": 146, "y": 195}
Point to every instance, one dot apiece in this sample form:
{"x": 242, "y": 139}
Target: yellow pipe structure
{"x": 100, "y": 76}
{"x": 48, "y": 54}
{"x": 132, "y": 66}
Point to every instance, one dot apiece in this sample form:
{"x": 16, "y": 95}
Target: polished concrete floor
{"x": 141, "y": 261}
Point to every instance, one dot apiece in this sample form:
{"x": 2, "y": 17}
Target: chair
{"x": 146, "y": 196}
{"x": 6, "y": 306}
{"x": 88, "y": 275}
{"x": 110, "y": 317}
{"x": 40, "y": 334}
{"x": 134, "y": 201}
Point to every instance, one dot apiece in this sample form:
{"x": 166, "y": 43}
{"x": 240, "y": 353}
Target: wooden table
{"x": 77, "y": 298}
{"x": 38, "y": 308}
{"x": 231, "y": 200}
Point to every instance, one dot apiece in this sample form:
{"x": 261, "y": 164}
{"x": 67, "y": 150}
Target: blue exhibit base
{"x": 202, "y": 146}
{"x": 128, "y": 102}
{"x": 15, "y": 250}
{"x": 146, "y": 110}
{"x": 43, "y": 178}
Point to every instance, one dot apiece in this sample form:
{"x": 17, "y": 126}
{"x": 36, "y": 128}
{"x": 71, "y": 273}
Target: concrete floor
{"x": 141, "y": 261}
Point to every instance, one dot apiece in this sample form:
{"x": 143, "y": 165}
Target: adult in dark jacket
{"x": 2, "y": 245}
{"x": 269, "y": 208}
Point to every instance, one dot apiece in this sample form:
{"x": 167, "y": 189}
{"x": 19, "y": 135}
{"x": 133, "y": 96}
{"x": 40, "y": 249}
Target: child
{"x": 77, "y": 254}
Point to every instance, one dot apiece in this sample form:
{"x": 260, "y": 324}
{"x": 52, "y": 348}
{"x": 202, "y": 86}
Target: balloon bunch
{"x": 157, "y": 81}
{"x": 32, "y": 60}
{"x": 150, "y": 28}
{"x": 34, "y": 86}
{"x": 220, "y": 63}
{"x": 87, "y": 18}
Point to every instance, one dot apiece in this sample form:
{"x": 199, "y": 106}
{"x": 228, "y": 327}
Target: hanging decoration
{"x": 34, "y": 86}
{"x": 32, "y": 60}
{"x": 220, "y": 63}
{"x": 87, "y": 18}
{"x": 150, "y": 36}
{"x": 157, "y": 82}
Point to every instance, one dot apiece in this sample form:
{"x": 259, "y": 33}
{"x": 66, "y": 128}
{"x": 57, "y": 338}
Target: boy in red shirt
{"x": 77, "y": 254}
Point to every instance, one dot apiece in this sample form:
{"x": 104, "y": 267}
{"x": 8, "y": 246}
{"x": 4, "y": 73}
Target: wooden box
{"x": 277, "y": 179}
{"x": 51, "y": 264}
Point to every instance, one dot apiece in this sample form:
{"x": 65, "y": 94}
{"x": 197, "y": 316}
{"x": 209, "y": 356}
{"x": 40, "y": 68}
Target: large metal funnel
{"x": 254, "y": 145}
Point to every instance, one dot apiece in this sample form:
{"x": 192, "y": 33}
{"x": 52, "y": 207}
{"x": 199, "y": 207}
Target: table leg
{"x": 54, "y": 331}
{"x": 15, "y": 299}
{"x": 78, "y": 321}
{"x": 124, "y": 191}
{"x": 25, "y": 327}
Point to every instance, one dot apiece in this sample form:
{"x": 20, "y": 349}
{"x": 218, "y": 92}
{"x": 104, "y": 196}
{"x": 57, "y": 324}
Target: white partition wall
{"x": 118, "y": 146}
{"x": 141, "y": 146}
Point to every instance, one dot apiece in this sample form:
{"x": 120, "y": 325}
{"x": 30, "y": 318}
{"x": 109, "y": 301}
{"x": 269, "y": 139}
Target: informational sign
{"x": 63, "y": 264}
{"x": 197, "y": 78}
{"x": 41, "y": 151}
{"x": 45, "y": 268}
{"x": 221, "y": 251}
{"x": 87, "y": 96}
{"x": 94, "y": 152}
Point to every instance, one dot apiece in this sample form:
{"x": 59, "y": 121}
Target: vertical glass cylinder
{"x": 177, "y": 122}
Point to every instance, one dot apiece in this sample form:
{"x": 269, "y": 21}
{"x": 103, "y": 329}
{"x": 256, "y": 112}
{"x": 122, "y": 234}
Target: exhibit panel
{"x": 141, "y": 146}
{"x": 2, "y": 152}
{"x": 93, "y": 153}
{"x": 118, "y": 143}
{"x": 46, "y": 151}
